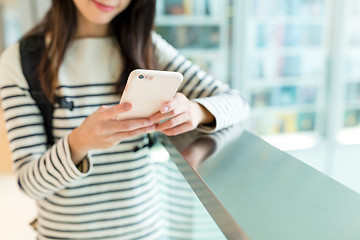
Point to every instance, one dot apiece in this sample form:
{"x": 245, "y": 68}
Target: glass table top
{"x": 254, "y": 191}
{"x": 182, "y": 214}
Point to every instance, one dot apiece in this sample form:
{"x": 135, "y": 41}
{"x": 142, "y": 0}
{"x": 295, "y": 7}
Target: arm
{"x": 40, "y": 172}
{"x": 214, "y": 98}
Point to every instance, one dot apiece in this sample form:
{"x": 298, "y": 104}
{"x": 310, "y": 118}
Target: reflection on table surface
{"x": 253, "y": 189}
{"x": 181, "y": 213}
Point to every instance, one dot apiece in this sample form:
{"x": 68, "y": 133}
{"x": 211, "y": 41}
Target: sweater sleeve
{"x": 227, "y": 105}
{"x": 40, "y": 171}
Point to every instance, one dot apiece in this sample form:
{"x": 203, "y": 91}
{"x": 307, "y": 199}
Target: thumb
{"x": 103, "y": 108}
{"x": 117, "y": 109}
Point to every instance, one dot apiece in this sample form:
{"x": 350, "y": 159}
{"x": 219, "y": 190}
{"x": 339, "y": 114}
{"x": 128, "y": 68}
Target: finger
{"x": 103, "y": 108}
{"x": 174, "y": 103}
{"x": 128, "y": 125}
{"x": 158, "y": 117}
{"x": 185, "y": 127}
{"x": 112, "y": 112}
{"x": 173, "y": 122}
{"x": 122, "y": 135}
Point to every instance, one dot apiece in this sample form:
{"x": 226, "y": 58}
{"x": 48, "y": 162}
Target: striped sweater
{"x": 113, "y": 193}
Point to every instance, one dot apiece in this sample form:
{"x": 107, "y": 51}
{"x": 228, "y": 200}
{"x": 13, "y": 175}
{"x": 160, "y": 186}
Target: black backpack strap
{"x": 31, "y": 50}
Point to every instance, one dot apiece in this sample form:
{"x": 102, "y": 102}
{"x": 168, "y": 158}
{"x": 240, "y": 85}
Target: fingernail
{"x": 165, "y": 109}
{"x": 127, "y": 106}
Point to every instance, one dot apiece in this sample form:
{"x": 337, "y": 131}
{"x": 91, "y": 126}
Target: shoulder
{"x": 10, "y": 54}
{"x": 163, "y": 50}
{"x": 160, "y": 43}
{"x": 156, "y": 38}
{"x": 10, "y": 67}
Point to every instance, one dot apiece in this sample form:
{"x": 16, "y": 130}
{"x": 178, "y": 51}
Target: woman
{"x": 91, "y": 184}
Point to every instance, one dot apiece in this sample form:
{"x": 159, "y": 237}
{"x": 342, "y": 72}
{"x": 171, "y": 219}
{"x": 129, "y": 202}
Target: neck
{"x": 87, "y": 29}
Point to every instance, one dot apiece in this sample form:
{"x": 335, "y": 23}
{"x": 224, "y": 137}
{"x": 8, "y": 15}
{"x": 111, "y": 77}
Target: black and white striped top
{"x": 113, "y": 194}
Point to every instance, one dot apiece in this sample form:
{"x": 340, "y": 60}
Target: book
{"x": 352, "y": 118}
{"x": 201, "y": 37}
{"x": 174, "y": 7}
{"x": 287, "y": 123}
{"x": 261, "y": 98}
{"x": 306, "y": 121}
{"x": 284, "y": 96}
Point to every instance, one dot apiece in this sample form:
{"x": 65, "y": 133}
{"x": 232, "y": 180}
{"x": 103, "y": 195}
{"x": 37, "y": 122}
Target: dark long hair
{"x": 131, "y": 29}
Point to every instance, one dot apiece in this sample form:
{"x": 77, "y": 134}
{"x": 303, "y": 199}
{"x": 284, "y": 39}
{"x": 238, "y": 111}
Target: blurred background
{"x": 296, "y": 61}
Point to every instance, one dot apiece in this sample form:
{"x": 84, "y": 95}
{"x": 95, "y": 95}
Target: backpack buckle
{"x": 64, "y": 103}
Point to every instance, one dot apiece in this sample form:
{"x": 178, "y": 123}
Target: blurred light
{"x": 159, "y": 154}
{"x": 349, "y": 136}
{"x": 296, "y": 141}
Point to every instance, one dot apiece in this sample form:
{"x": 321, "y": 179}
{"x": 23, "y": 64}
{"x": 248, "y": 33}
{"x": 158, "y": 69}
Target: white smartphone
{"x": 148, "y": 91}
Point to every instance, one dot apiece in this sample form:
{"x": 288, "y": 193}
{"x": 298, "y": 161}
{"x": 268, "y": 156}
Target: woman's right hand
{"x": 100, "y": 130}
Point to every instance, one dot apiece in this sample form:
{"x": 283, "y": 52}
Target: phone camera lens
{"x": 141, "y": 76}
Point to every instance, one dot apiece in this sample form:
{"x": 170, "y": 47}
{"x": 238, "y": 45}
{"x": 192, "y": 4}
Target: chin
{"x": 101, "y": 20}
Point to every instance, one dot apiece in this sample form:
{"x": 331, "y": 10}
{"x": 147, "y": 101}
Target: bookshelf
{"x": 349, "y": 76}
{"x": 285, "y": 47}
{"x": 278, "y": 58}
{"x": 199, "y": 30}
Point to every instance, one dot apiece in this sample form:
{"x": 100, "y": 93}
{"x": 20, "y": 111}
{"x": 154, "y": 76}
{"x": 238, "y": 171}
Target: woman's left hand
{"x": 182, "y": 115}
